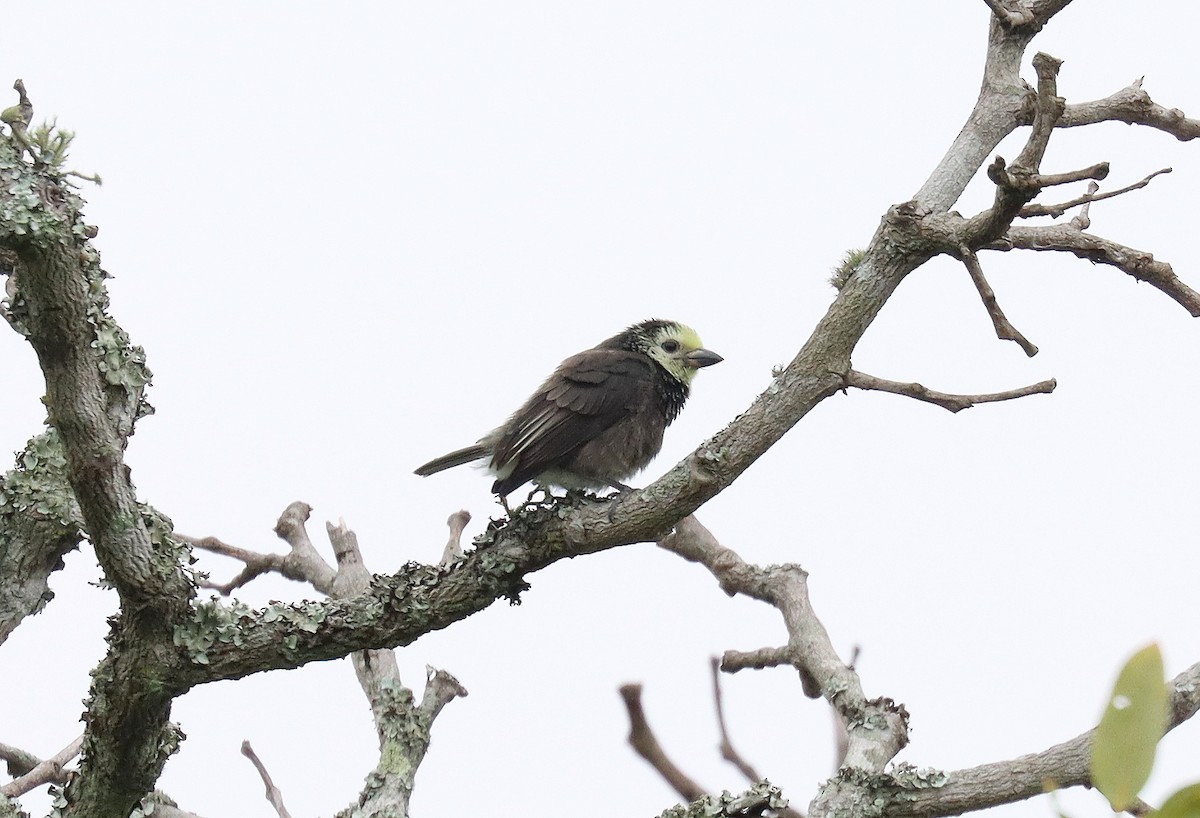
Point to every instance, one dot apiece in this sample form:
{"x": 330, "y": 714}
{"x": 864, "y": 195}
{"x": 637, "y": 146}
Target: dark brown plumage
{"x": 599, "y": 418}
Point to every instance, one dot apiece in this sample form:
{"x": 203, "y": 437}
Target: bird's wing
{"x": 588, "y": 393}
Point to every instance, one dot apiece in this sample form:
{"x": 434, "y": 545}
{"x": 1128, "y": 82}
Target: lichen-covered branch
{"x": 1003, "y": 782}
{"x": 39, "y": 524}
{"x": 94, "y": 383}
{"x": 877, "y": 729}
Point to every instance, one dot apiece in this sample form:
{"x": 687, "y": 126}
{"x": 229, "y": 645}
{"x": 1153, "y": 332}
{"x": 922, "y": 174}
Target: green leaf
{"x": 1183, "y": 804}
{"x": 1133, "y": 722}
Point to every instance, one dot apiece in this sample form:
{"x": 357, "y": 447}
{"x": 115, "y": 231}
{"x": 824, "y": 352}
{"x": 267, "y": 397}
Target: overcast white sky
{"x": 354, "y": 236}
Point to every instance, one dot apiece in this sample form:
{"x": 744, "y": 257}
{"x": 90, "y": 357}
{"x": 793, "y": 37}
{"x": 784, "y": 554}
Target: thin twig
{"x": 1056, "y": 210}
{"x": 642, "y": 739}
{"x": 256, "y": 564}
{"x": 727, "y": 752}
{"x": 303, "y": 563}
{"x": 274, "y": 796}
{"x": 1005, "y": 331}
{"x": 951, "y": 403}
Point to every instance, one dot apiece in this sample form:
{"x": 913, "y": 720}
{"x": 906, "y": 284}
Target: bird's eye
{"x": 670, "y": 346}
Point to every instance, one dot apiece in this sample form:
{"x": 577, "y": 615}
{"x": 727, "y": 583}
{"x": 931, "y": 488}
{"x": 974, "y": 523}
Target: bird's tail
{"x": 455, "y": 458}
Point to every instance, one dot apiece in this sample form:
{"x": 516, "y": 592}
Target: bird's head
{"x": 673, "y": 346}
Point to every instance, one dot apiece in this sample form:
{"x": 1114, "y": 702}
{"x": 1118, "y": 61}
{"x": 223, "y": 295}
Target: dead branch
{"x": 1133, "y": 106}
{"x": 1020, "y": 183}
{"x": 457, "y": 522}
{"x": 1009, "y": 18}
{"x": 49, "y": 771}
{"x": 1083, "y": 219}
{"x": 17, "y": 760}
{"x": 256, "y": 564}
{"x": 951, "y": 403}
{"x": 1005, "y": 331}
{"x": 303, "y": 563}
{"x": 727, "y": 751}
{"x": 1056, "y": 210}
{"x": 441, "y": 688}
{"x": 274, "y": 796}
{"x": 1003, "y": 782}
{"x": 642, "y": 739}
{"x": 1097, "y": 171}
{"x": 809, "y": 650}
{"x": 1137, "y": 263}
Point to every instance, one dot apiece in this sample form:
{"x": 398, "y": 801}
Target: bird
{"x": 600, "y": 416}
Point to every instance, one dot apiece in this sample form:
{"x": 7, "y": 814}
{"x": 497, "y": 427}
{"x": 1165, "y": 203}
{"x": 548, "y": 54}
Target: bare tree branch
{"x": 1137, "y": 263}
{"x": 1015, "y": 14}
{"x": 1003, "y": 782}
{"x": 1005, "y": 331}
{"x": 878, "y": 728}
{"x": 727, "y": 750}
{"x": 642, "y": 739}
{"x": 274, "y": 796}
{"x": 457, "y": 523}
{"x": 1056, "y": 210}
{"x": 1097, "y": 171}
{"x": 1009, "y": 18}
{"x": 1131, "y": 105}
{"x": 1017, "y": 185}
{"x": 952, "y": 403}
{"x": 18, "y": 761}
{"x": 303, "y": 563}
{"x": 49, "y": 771}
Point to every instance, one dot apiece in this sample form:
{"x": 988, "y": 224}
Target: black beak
{"x": 698, "y": 358}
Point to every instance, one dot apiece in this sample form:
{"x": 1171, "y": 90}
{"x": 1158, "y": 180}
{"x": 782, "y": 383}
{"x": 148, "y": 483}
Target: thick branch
{"x": 1002, "y": 782}
{"x": 94, "y": 383}
{"x": 952, "y": 403}
{"x": 39, "y": 525}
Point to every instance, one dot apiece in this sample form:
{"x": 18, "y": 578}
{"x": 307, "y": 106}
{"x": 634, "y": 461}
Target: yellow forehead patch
{"x": 687, "y": 337}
